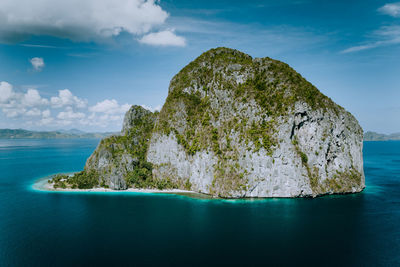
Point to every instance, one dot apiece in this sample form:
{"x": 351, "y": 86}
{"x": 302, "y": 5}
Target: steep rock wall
{"x": 233, "y": 126}
{"x": 119, "y": 155}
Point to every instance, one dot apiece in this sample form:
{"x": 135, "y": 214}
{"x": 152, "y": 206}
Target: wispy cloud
{"x": 41, "y": 46}
{"x": 275, "y": 39}
{"x": 82, "y": 55}
{"x": 391, "y": 9}
{"x": 385, "y": 36}
{"x": 359, "y": 48}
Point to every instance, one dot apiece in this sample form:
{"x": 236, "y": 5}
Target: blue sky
{"x": 81, "y": 64}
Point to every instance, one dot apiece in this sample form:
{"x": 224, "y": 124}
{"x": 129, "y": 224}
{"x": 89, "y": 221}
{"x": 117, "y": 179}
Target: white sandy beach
{"x": 44, "y": 185}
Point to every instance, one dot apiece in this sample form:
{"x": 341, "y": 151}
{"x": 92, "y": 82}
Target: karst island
{"x": 232, "y": 126}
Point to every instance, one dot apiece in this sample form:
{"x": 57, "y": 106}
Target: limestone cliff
{"x": 118, "y": 156}
{"x": 234, "y": 126}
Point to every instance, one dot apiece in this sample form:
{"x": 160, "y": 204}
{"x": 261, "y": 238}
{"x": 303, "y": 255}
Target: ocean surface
{"x": 136, "y": 229}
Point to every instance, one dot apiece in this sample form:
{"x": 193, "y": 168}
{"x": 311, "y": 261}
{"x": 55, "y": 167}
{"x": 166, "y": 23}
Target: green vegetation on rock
{"x": 80, "y": 180}
{"x": 343, "y": 181}
{"x": 272, "y": 84}
{"x": 225, "y": 111}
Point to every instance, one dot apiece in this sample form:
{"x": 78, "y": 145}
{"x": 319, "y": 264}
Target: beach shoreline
{"x": 42, "y": 184}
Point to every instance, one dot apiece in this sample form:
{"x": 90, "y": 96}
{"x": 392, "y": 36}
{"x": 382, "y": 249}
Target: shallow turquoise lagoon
{"x": 97, "y": 229}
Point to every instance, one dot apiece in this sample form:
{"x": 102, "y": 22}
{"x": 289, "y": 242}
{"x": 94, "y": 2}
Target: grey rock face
{"x": 331, "y": 143}
{"x": 118, "y": 155}
{"x": 315, "y": 151}
{"x": 233, "y": 126}
{"x": 135, "y": 116}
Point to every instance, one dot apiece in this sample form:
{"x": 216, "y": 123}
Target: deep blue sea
{"x": 136, "y": 229}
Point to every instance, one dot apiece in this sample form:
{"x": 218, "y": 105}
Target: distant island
{"x": 232, "y": 126}
{"x": 59, "y": 134}
{"x": 374, "y": 136}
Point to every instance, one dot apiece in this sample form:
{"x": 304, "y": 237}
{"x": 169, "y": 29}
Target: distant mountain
{"x": 373, "y": 136}
{"x": 74, "y": 133}
{"x": 71, "y": 131}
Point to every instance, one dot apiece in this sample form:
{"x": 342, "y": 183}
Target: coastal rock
{"x": 233, "y": 126}
{"x": 118, "y": 155}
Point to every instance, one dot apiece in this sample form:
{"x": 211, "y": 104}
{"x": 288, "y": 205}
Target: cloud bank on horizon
{"x": 62, "y": 110}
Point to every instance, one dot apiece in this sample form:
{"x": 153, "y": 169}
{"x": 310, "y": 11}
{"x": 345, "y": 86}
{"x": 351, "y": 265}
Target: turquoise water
{"x": 80, "y": 229}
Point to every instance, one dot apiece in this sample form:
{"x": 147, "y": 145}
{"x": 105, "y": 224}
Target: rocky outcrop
{"x": 233, "y": 126}
{"x": 119, "y": 155}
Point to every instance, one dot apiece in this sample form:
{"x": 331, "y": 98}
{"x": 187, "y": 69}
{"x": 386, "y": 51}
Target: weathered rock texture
{"x": 234, "y": 126}
{"x": 119, "y": 155}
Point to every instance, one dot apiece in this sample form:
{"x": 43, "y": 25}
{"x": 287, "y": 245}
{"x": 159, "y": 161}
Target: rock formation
{"x": 233, "y": 126}
{"x": 118, "y": 156}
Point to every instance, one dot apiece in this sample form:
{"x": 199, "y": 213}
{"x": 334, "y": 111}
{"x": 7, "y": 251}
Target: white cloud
{"x": 109, "y": 107}
{"x": 385, "y": 36}
{"x": 45, "y": 121}
{"x": 103, "y": 120}
{"x": 106, "y": 113}
{"x": 66, "y": 98}
{"x": 30, "y": 108}
{"x": 14, "y": 104}
{"x": 32, "y": 98}
{"x": 6, "y": 92}
{"x": 391, "y": 9}
{"x": 78, "y": 20}
{"x": 34, "y": 112}
{"x": 46, "y": 113}
{"x": 69, "y": 115}
{"x": 37, "y": 63}
{"x": 163, "y": 38}
{"x": 13, "y": 112}
{"x": 46, "y": 118}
